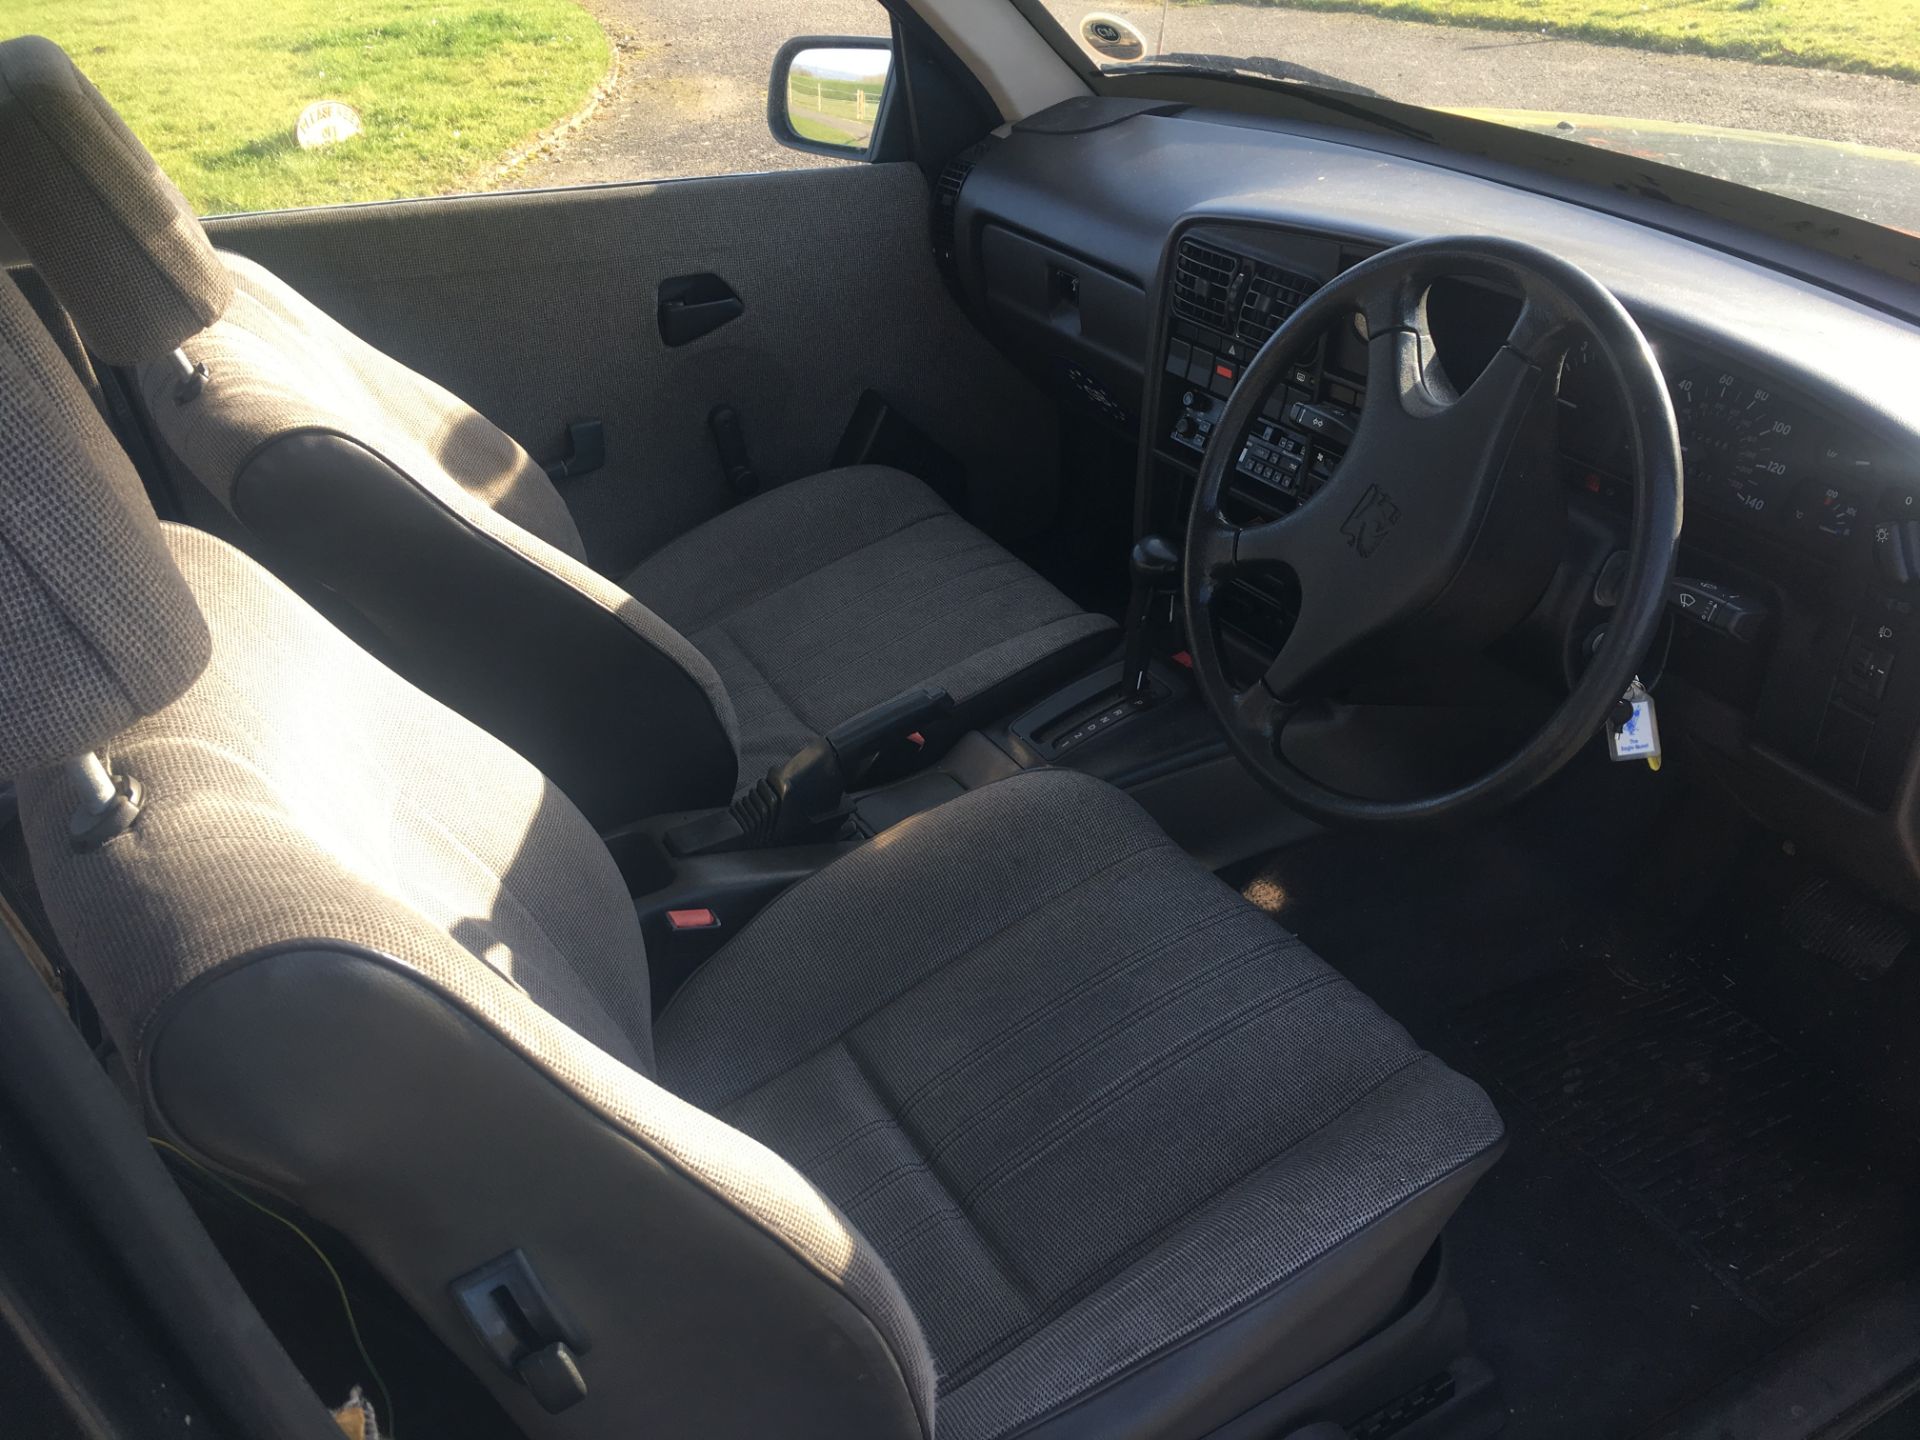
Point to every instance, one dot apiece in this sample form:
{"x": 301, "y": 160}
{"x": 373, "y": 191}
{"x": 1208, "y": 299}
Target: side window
{"x": 269, "y": 104}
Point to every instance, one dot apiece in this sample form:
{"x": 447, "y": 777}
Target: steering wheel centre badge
{"x": 1112, "y": 37}
{"x": 1370, "y": 521}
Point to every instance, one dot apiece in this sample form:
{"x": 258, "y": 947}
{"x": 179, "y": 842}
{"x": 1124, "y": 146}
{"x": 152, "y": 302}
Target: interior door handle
{"x": 696, "y": 305}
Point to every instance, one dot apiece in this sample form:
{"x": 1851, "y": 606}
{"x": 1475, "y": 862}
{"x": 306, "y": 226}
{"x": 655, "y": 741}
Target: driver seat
{"x": 1013, "y": 1121}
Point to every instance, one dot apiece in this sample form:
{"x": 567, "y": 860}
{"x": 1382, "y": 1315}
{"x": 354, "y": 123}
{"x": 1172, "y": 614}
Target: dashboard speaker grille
{"x": 1202, "y": 276}
{"x": 1272, "y": 295}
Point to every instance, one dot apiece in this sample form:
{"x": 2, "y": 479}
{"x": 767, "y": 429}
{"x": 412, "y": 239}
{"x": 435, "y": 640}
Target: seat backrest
{"x": 357, "y": 477}
{"x": 357, "y": 953}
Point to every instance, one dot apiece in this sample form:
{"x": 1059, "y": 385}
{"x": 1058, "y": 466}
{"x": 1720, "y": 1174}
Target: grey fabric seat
{"x": 831, "y": 595}
{"x": 368, "y": 485}
{"x": 1087, "y": 1103}
{"x": 1015, "y": 1121}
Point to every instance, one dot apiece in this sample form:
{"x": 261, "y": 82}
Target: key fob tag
{"x": 1635, "y": 733}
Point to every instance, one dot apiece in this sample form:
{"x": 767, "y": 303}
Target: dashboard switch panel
{"x": 1866, "y": 669}
{"x": 1896, "y": 550}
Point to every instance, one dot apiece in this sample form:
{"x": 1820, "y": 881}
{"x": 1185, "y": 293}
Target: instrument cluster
{"x": 1750, "y": 451}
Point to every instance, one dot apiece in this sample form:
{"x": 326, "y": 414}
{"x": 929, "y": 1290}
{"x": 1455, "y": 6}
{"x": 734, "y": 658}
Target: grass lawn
{"x": 829, "y": 132}
{"x": 1882, "y": 36}
{"x": 831, "y": 110}
{"x": 445, "y": 88}
{"x": 854, "y": 100}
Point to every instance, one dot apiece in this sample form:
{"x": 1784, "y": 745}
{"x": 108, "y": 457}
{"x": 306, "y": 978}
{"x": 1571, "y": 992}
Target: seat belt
{"x": 49, "y": 973}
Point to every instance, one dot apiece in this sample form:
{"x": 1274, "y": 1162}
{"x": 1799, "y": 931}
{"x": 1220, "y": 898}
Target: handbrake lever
{"x": 798, "y": 799}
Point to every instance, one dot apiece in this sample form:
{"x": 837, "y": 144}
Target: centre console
{"x": 1228, "y": 290}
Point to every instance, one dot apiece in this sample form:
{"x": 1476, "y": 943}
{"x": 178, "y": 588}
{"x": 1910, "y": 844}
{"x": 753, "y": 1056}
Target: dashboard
{"x": 1136, "y": 259}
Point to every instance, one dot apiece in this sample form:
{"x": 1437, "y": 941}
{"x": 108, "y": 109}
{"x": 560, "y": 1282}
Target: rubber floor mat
{"x": 1790, "y": 1187}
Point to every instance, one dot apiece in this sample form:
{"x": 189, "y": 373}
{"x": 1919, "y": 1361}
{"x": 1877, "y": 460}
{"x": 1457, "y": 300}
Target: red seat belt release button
{"x": 701, "y": 919}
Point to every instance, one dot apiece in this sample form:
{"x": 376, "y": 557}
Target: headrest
{"x": 97, "y": 628}
{"x": 116, "y": 243}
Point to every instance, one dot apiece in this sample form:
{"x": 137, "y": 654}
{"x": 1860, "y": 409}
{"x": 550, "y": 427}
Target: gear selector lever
{"x": 1099, "y": 704}
{"x": 1156, "y": 567}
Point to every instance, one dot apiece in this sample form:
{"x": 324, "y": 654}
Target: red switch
{"x": 702, "y": 919}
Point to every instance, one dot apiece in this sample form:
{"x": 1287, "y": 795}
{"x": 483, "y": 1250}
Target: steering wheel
{"x": 1444, "y": 521}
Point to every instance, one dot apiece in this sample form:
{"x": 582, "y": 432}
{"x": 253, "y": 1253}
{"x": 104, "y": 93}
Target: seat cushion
{"x": 827, "y": 596}
{"x": 1087, "y": 1103}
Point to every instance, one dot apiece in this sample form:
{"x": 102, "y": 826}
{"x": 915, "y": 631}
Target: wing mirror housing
{"x": 829, "y": 94}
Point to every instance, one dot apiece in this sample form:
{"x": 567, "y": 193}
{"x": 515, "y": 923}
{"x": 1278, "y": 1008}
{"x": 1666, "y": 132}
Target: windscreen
{"x": 1818, "y": 100}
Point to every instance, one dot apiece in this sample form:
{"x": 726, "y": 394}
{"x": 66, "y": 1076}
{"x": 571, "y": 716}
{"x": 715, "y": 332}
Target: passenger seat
{"x": 368, "y": 484}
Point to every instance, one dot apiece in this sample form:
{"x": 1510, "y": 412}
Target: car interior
{"x": 1193, "y": 756}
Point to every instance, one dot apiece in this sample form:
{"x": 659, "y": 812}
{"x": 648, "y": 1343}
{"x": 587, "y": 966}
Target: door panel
{"x": 539, "y": 308}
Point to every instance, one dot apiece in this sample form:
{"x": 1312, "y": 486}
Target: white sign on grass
{"x": 326, "y": 122}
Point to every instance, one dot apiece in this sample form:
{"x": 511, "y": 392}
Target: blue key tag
{"x": 1638, "y": 736}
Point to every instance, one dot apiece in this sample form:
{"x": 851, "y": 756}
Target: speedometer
{"x": 1735, "y": 441}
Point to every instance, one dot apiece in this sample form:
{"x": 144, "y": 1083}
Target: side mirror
{"x": 829, "y": 94}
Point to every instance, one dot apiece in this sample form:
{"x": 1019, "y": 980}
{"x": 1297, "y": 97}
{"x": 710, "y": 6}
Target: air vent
{"x": 1202, "y": 278}
{"x": 952, "y": 177}
{"x": 1272, "y": 295}
{"x": 946, "y": 198}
